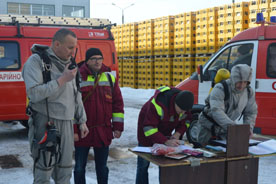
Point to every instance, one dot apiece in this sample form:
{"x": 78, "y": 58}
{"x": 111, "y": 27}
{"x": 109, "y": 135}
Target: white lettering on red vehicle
{"x": 90, "y": 34}
{"x": 266, "y": 85}
{"x": 274, "y": 86}
{"x": 97, "y": 34}
{"x": 10, "y": 76}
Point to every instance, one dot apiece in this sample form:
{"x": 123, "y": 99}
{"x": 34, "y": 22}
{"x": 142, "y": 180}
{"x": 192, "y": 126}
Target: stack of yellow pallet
{"x": 169, "y": 48}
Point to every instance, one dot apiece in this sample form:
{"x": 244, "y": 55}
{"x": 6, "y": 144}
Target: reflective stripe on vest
{"x": 118, "y": 117}
{"x": 158, "y": 108}
{"x": 103, "y": 81}
{"x": 149, "y": 130}
{"x": 163, "y": 88}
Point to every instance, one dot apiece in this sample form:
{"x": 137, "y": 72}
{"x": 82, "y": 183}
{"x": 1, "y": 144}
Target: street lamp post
{"x": 123, "y": 21}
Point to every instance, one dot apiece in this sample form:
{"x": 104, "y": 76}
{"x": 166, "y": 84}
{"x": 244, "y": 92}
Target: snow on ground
{"x": 122, "y": 166}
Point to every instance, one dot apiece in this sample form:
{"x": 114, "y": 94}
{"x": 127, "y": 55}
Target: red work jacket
{"x": 104, "y": 107}
{"x": 157, "y": 127}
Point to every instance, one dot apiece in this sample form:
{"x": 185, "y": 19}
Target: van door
{"x": 229, "y": 56}
{"x": 12, "y": 93}
{"x": 266, "y": 88}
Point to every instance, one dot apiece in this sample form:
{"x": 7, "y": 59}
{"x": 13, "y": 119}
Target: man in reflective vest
{"x": 104, "y": 107}
{"x": 166, "y": 112}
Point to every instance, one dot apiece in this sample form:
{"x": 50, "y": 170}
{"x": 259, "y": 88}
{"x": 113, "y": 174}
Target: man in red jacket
{"x": 104, "y": 107}
{"x": 166, "y": 112}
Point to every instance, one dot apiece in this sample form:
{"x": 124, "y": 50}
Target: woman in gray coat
{"x": 220, "y": 112}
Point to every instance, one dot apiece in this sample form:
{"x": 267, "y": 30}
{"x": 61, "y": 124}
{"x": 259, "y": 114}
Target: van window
{"x": 238, "y": 54}
{"x": 271, "y": 61}
{"x": 9, "y": 56}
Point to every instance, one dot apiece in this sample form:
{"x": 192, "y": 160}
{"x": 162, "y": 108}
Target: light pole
{"x": 122, "y": 10}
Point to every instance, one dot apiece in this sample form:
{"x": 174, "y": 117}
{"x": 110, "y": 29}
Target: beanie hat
{"x": 185, "y": 100}
{"x": 92, "y": 52}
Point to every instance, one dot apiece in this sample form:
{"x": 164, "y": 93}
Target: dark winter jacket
{"x": 104, "y": 107}
{"x": 158, "y": 118}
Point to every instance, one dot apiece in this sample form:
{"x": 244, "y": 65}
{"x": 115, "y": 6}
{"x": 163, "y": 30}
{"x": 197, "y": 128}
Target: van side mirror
{"x": 200, "y": 73}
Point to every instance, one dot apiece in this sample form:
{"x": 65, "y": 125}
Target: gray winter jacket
{"x": 64, "y": 102}
{"x": 226, "y": 113}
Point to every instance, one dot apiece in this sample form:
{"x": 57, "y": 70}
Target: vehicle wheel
{"x": 24, "y": 123}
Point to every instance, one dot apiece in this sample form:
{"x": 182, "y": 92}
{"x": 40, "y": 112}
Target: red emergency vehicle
{"x": 257, "y": 48}
{"x": 16, "y": 39}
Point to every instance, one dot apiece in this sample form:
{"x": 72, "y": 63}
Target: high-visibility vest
{"x": 104, "y": 81}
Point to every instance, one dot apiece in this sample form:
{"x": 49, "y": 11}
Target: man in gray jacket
{"x": 55, "y": 103}
{"x": 219, "y": 113}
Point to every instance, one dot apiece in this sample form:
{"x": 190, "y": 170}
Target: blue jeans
{"x": 100, "y": 154}
{"x": 142, "y": 175}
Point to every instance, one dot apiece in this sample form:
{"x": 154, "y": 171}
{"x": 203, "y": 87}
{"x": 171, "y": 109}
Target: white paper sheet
{"x": 142, "y": 149}
{"x": 266, "y": 147}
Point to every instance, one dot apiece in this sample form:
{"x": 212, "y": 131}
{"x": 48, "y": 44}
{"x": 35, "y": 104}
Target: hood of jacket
{"x": 240, "y": 72}
{"x": 60, "y": 64}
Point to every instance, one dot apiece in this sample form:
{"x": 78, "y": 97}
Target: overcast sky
{"x": 148, "y": 9}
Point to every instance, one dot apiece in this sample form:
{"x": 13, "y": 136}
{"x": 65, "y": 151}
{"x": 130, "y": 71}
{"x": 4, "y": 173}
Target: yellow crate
{"x": 189, "y": 68}
{"x": 179, "y": 48}
{"x": 230, "y": 33}
{"x": 213, "y": 39}
{"x": 213, "y": 12}
{"x": 242, "y": 6}
{"x": 168, "y": 49}
{"x": 198, "y": 61}
{"x": 222, "y": 9}
{"x": 229, "y": 9}
{"x": 254, "y": 4}
{"x": 168, "y": 21}
{"x": 264, "y": 4}
{"x": 180, "y": 20}
{"x": 229, "y": 26}
{"x": 221, "y": 27}
{"x": 272, "y": 8}
{"x": 241, "y": 25}
{"x": 229, "y": 17}
{"x": 266, "y": 14}
{"x": 205, "y": 12}
{"x": 253, "y": 24}
{"x": 244, "y": 15}
{"x": 253, "y": 14}
{"x": 190, "y": 18}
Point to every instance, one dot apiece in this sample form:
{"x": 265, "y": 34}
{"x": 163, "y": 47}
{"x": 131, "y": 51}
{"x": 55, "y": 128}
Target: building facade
{"x": 60, "y": 8}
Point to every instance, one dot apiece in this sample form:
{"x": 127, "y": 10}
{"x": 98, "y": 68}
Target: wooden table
{"x": 221, "y": 170}
{"x": 235, "y": 166}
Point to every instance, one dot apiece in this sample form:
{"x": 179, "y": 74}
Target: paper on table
{"x": 251, "y": 142}
{"x": 142, "y": 149}
{"x": 183, "y": 147}
{"x": 266, "y": 147}
{"x": 148, "y": 149}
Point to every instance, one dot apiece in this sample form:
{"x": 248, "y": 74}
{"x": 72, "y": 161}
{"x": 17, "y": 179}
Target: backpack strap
{"x": 46, "y": 64}
{"x": 226, "y": 90}
{"x": 47, "y": 67}
{"x": 110, "y": 82}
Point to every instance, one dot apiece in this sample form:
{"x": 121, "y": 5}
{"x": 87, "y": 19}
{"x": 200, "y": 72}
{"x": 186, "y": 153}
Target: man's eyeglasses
{"x": 96, "y": 59}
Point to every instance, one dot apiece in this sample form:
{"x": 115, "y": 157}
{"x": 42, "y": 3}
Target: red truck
{"x": 16, "y": 39}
